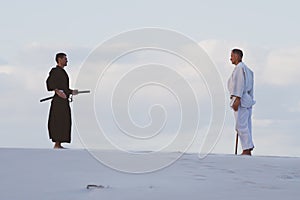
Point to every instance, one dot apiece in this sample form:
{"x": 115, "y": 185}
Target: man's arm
{"x": 60, "y": 93}
{"x": 239, "y": 81}
{"x": 236, "y": 103}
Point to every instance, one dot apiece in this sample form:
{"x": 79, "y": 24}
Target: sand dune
{"x": 64, "y": 174}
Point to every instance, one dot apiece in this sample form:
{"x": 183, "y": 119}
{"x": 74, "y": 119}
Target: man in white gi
{"x": 240, "y": 86}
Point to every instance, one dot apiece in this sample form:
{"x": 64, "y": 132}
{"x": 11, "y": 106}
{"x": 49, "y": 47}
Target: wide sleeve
{"x": 238, "y": 82}
{"x": 69, "y": 91}
{"x": 251, "y": 92}
{"x": 66, "y": 87}
{"x": 52, "y": 81}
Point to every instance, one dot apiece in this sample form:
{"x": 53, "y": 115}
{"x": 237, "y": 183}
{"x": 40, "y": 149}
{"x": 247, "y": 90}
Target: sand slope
{"x": 64, "y": 174}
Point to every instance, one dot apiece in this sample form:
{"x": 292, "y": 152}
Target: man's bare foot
{"x": 247, "y": 152}
{"x": 57, "y": 145}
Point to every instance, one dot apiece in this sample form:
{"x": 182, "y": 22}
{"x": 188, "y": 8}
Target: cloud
{"x": 39, "y": 56}
{"x": 2, "y": 62}
{"x": 6, "y": 69}
{"x": 283, "y": 67}
{"x": 271, "y": 66}
{"x": 295, "y": 108}
{"x": 263, "y": 122}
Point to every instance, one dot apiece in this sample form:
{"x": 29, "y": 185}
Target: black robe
{"x": 59, "y": 122}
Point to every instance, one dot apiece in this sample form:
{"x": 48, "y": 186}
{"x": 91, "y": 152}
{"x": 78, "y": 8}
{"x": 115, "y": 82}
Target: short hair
{"x": 238, "y": 52}
{"x": 59, "y": 55}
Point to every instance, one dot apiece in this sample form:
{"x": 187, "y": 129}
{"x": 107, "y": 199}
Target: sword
{"x": 79, "y": 92}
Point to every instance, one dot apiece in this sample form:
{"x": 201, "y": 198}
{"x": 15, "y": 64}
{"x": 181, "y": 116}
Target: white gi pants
{"x": 243, "y": 125}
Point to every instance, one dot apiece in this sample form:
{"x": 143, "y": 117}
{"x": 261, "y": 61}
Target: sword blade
{"x": 84, "y": 91}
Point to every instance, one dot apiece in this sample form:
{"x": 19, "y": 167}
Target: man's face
{"x": 234, "y": 58}
{"x": 63, "y": 61}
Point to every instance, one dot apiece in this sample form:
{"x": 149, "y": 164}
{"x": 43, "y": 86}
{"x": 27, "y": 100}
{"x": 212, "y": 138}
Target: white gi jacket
{"x": 240, "y": 84}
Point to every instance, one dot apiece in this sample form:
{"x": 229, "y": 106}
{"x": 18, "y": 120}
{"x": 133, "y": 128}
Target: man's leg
{"x": 242, "y": 127}
{"x": 250, "y": 126}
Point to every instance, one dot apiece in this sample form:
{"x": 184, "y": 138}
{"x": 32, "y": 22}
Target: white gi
{"x": 240, "y": 84}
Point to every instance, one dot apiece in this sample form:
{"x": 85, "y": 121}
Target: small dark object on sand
{"x": 94, "y": 186}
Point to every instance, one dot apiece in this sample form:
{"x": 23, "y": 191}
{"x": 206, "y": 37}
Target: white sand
{"x": 64, "y": 174}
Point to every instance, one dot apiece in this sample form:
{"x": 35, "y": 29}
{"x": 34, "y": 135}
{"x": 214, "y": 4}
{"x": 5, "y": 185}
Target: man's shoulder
{"x": 54, "y": 70}
{"x": 243, "y": 66}
{"x": 239, "y": 68}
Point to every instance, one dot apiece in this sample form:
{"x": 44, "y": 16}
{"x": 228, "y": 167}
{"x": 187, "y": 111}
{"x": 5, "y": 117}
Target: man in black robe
{"x": 59, "y": 123}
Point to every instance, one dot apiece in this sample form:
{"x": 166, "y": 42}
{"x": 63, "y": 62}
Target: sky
{"x": 267, "y": 31}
